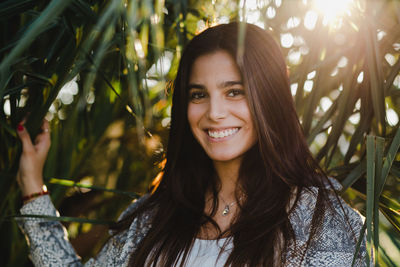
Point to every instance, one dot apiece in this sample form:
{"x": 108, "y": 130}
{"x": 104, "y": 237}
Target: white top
{"x": 205, "y": 253}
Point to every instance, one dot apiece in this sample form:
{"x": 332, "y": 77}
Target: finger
{"x": 23, "y": 134}
{"x": 45, "y": 126}
{"x": 42, "y": 141}
{"x": 45, "y": 134}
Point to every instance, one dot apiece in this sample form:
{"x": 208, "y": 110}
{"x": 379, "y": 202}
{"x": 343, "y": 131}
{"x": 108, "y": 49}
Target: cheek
{"x": 254, "y": 135}
{"x": 249, "y": 122}
{"x": 194, "y": 115}
{"x": 243, "y": 112}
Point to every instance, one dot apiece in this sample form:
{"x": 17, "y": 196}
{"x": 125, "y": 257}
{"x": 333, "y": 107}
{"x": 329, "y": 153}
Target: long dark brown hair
{"x": 278, "y": 163}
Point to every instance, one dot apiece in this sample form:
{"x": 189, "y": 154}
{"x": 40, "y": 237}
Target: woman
{"x": 239, "y": 188}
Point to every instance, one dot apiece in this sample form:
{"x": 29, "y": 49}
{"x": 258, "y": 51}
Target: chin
{"x": 223, "y": 158}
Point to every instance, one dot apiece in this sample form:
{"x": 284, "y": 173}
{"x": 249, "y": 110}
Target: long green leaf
{"x": 12, "y": 7}
{"x": 71, "y": 183}
{"x": 359, "y": 241}
{"x": 346, "y": 102}
{"x": 55, "y": 8}
{"x": 370, "y": 191}
{"x": 390, "y": 204}
{"x": 61, "y": 219}
{"x": 380, "y": 142}
{"x": 393, "y": 217}
{"x": 395, "y": 171}
{"x": 318, "y": 128}
{"x": 390, "y": 156}
{"x": 358, "y": 136}
{"x": 393, "y": 74}
{"x": 354, "y": 175}
{"x": 375, "y": 76}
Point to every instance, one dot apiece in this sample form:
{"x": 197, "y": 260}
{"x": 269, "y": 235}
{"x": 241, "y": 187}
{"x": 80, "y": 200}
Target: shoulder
{"x": 340, "y": 216}
{"x": 339, "y": 219}
{"x": 142, "y": 222}
{"x": 122, "y": 243}
{"x": 133, "y": 207}
{"x": 339, "y": 231}
{"x": 140, "y": 225}
{"x": 125, "y": 219}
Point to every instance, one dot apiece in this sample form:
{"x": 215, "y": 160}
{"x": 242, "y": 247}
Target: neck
{"x": 228, "y": 173}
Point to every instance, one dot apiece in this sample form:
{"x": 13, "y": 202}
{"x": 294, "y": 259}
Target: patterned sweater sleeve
{"x": 49, "y": 244}
{"x": 335, "y": 242}
{"x": 47, "y": 240}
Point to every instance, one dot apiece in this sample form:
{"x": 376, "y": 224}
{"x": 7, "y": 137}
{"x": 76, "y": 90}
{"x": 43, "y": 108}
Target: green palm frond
{"x": 98, "y": 71}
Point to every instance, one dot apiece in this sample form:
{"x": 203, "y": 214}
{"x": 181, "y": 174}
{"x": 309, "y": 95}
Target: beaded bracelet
{"x": 34, "y": 195}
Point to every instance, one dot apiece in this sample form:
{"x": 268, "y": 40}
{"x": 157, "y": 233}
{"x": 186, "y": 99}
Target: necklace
{"x": 228, "y": 206}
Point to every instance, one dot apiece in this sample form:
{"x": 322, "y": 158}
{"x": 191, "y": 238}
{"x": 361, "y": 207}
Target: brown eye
{"x": 235, "y": 92}
{"x": 196, "y": 96}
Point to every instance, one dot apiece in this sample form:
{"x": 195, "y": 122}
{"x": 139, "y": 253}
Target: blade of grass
{"x": 390, "y": 156}
{"x": 301, "y": 77}
{"x": 389, "y": 203}
{"x": 370, "y": 191}
{"x": 393, "y": 74}
{"x": 395, "y": 171}
{"x": 61, "y": 219}
{"x": 386, "y": 259}
{"x": 375, "y": 76}
{"x": 338, "y": 124}
{"x": 359, "y": 241}
{"x": 392, "y": 217}
{"x": 379, "y": 142}
{"x": 313, "y": 99}
{"x": 386, "y": 203}
{"x": 358, "y": 136}
{"x": 353, "y": 176}
{"x": 346, "y": 102}
{"x": 318, "y": 128}
{"x": 70, "y": 183}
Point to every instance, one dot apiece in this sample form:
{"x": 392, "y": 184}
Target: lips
{"x": 213, "y": 133}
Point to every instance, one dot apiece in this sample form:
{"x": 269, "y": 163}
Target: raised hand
{"x": 33, "y": 157}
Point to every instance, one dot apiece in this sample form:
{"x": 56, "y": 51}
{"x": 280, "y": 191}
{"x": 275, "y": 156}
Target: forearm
{"x": 48, "y": 242}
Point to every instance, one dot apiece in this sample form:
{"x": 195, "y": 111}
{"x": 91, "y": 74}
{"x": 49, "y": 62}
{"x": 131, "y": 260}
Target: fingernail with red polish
{"x": 20, "y": 128}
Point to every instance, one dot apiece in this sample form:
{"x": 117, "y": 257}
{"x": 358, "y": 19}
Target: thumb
{"x": 23, "y": 134}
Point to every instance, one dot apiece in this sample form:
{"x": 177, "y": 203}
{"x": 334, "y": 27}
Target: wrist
{"x": 31, "y": 196}
{"x": 30, "y": 186}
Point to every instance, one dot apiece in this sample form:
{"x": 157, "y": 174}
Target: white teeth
{"x": 221, "y": 134}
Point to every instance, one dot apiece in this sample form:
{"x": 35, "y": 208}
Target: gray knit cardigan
{"x": 334, "y": 245}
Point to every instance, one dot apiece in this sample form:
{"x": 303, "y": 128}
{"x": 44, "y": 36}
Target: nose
{"x": 217, "y": 109}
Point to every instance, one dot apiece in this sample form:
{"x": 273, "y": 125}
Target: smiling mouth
{"x": 221, "y": 134}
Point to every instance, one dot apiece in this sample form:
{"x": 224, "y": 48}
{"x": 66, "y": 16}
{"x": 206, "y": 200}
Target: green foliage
{"x": 98, "y": 70}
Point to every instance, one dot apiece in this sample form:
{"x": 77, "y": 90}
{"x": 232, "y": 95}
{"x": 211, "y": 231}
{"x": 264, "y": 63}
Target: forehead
{"x": 214, "y": 68}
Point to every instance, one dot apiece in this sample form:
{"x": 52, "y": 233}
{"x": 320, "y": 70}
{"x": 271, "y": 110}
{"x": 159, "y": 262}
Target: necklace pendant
{"x": 225, "y": 211}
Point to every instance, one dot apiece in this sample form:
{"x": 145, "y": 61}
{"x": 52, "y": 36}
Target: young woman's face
{"x": 218, "y": 111}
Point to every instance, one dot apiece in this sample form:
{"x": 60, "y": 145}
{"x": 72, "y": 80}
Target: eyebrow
{"x": 220, "y": 85}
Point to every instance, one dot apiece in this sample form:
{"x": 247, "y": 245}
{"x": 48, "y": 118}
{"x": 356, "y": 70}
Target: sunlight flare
{"x": 333, "y": 8}
{"x": 333, "y": 11}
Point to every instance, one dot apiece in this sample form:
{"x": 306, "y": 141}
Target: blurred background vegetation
{"x": 100, "y": 72}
